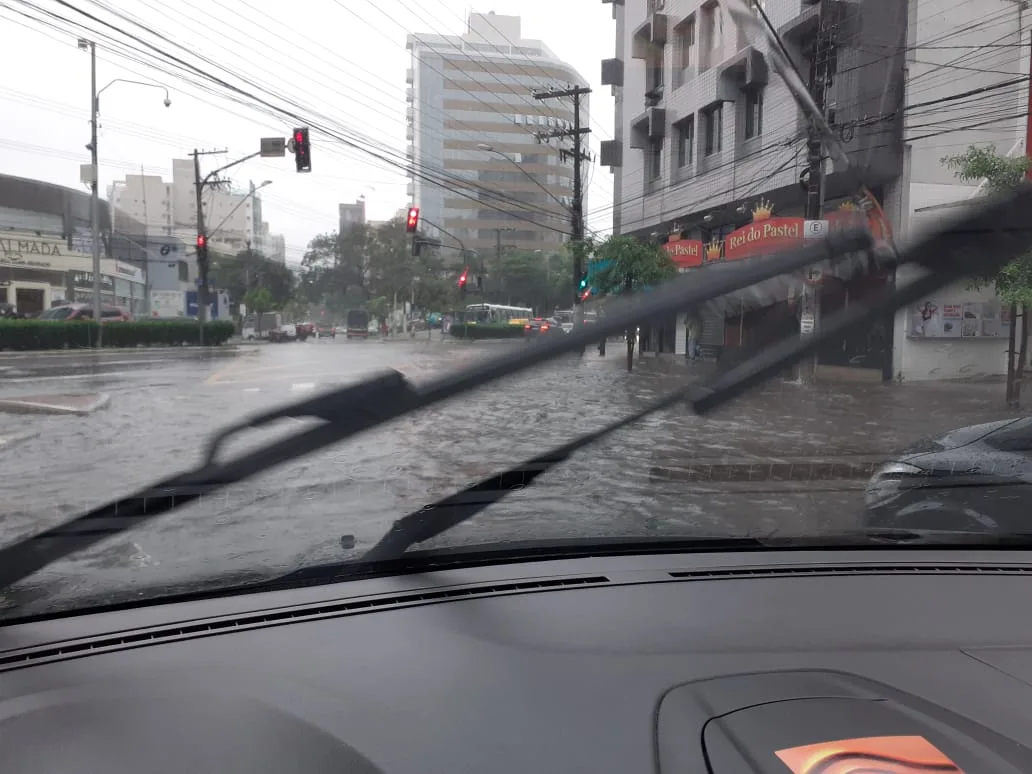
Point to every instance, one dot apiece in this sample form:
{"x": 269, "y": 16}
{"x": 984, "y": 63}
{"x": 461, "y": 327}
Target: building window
{"x": 654, "y": 160}
{"x": 712, "y": 36}
{"x": 685, "y": 53}
{"x": 654, "y": 71}
{"x": 753, "y": 113}
{"x": 713, "y": 130}
{"x": 685, "y": 142}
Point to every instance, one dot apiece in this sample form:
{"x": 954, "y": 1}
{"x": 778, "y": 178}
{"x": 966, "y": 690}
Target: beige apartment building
{"x": 474, "y": 128}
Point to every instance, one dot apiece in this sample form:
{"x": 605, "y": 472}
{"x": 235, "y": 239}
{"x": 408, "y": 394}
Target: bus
{"x": 358, "y": 324}
{"x": 498, "y": 313}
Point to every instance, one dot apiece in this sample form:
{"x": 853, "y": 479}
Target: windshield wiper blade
{"x": 950, "y": 252}
{"x": 361, "y": 407}
{"x": 432, "y": 520}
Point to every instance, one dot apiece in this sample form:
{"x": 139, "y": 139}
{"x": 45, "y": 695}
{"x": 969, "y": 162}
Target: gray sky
{"x": 342, "y": 59}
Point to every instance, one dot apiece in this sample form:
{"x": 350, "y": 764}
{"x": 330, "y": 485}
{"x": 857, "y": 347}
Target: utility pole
{"x": 819, "y": 79}
{"x": 578, "y": 154}
{"x": 95, "y": 194}
{"x": 202, "y": 238}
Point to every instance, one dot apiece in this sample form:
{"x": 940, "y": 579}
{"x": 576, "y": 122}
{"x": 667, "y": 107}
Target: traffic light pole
{"x": 203, "y": 263}
{"x": 810, "y": 300}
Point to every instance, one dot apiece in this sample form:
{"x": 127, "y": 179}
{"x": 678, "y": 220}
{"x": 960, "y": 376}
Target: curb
{"x": 74, "y": 405}
{"x": 853, "y": 468}
{"x": 36, "y": 353}
{"x": 11, "y": 440}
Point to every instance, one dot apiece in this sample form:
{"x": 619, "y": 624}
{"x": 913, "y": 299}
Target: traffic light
{"x": 462, "y": 281}
{"x": 201, "y": 241}
{"x": 302, "y": 150}
{"x": 412, "y": 221}
{"x": 583, "y": 289}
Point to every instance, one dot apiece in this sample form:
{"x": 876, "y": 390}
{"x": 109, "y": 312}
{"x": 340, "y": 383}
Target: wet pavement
{"x": 730, "y": 472}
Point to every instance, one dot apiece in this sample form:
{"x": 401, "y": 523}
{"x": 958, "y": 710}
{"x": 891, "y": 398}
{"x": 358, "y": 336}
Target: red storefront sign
{"x": 763, "y": 235}
{"x": 685, "y": 253}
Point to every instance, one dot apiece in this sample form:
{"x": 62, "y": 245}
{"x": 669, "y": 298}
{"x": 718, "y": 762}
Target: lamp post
{"x": 89, "y": 45}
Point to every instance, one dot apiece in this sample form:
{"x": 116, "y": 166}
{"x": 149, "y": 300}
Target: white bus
{"x": 497, "y": 313}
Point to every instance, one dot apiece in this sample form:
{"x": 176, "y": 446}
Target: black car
{"x": 972, "y": 478}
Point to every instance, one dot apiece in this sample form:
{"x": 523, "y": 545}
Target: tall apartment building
{"x": 709, "y": 143}
{"x": 472, "y": 118}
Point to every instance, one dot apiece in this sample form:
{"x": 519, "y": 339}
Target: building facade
{"x": 351, "y": 215}
{"x": 169, "y": 209}
{"x": 710, "y": 150}
{"x": 481, "y": 166}
{"x": 46, "y": 250}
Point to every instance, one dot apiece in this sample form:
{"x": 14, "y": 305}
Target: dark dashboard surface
{"x": 662, "y": 663}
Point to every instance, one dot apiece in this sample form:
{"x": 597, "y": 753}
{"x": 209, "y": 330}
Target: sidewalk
{"x": 783, "y": 436}
{"x": 79, "y": 405}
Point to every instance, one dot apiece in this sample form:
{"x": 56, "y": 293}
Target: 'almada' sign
{"x": 33, "y": 253}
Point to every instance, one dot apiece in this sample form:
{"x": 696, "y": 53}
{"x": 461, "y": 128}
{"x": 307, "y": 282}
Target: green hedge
{"x": 486, "y": 331}
{"x": 52, "y": 334}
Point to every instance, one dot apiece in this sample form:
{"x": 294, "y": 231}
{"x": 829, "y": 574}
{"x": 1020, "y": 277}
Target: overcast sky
{"x": 344, "y": 60}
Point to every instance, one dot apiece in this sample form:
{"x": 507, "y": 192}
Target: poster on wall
{"x": 971, "y": 319}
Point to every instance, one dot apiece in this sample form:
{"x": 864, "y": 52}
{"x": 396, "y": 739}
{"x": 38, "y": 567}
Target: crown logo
{"x": 848, "y": 206}
{"x": 713, "y": 249}
{"x": 762, "y": 210}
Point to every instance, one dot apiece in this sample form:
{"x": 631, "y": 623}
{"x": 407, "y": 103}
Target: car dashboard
{"x": 774, "y": 661}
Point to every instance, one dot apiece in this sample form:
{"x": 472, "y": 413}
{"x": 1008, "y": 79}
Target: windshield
{"x": 410, "y": 189}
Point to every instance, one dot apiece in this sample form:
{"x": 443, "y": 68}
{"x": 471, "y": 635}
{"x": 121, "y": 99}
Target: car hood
{"x": 955, "y": 439}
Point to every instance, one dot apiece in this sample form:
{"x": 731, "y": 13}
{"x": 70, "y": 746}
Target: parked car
{"x": 973, "y": 478}
{"x": 323, "y": 331}
{"x": 69, "y": 312}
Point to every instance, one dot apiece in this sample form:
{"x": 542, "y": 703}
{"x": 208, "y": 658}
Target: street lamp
{"x": 89, "y": 45}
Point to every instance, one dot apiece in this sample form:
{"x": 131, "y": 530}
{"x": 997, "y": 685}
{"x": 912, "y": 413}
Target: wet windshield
{"x": 428, "y": 182}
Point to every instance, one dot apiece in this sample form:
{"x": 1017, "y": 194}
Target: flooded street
{"x": 782, "y": 460}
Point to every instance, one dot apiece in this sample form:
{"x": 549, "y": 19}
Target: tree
{"x": 333, "y": 270}
{"x": 1013, "y": 283}
{"x": 392, "y": 266}
{"x": 258, "y": 301}
{"x": 240, "y": 273}
{"x": 626, "y": 265}
{"x": 537, "y": 279}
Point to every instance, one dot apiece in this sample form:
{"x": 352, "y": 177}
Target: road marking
{"x": 238, "y": 369}
{"x": 302, "y": 386}
{"x": 252, "y": 389}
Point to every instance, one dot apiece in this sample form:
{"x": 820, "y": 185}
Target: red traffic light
{"x": 299, "y": 136}
{"x": 201, "y": 240}
{"x": 412, "y": 222}
{"x": 463, "y": 278}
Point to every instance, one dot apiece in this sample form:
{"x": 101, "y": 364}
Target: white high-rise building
{"x": 474, "y": 126}
{"x": 232, "y": 218}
